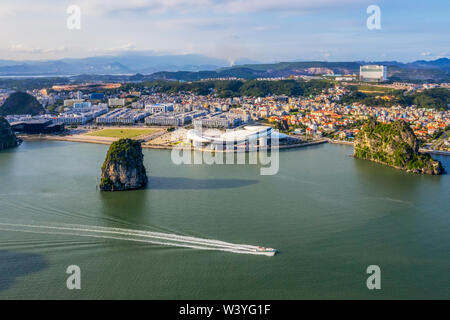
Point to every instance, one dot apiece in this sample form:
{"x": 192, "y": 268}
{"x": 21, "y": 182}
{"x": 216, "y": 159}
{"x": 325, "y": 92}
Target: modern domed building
{"x": 255, "y": 136}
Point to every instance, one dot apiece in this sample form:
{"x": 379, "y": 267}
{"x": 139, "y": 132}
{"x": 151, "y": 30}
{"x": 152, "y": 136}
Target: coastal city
{"x": 223, "y": 158}
{"x": 80, "y": 111}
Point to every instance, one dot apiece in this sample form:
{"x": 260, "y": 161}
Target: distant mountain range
{"x": 122, "y": 64}
{"x": 191, "y": 67}
{"x": 437, "y": 70}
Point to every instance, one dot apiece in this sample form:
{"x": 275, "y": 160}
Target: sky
{"x": 260, "y": 30}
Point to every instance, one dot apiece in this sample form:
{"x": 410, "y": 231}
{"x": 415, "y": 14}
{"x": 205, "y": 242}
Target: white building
{"x": 82, "y": 106}
{"x": 173, "y": 118}
{"x": 221, "y": 120}
{"x": 71, "y": 102}
{"x": 116, "y": 102}
{"x": 137, "y": 105}
{"x": 81, "y": 117}
{"x": 159, "y": 107}
{"x": 249, "y": 135}
{"x": 122, "y": 116}
{"x": 373, "y": 73}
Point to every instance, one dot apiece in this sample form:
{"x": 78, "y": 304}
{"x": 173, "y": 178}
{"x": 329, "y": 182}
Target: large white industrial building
{"x": 373, "y": 73}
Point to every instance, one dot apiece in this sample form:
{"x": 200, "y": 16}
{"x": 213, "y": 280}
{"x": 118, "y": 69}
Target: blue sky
{"x": 262, "y": 30}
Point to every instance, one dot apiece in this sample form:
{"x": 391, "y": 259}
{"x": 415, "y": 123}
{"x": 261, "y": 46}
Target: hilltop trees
{"x": 21, "y": 103}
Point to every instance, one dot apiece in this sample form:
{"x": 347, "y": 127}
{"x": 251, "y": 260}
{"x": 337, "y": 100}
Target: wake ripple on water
{"x": 150, "y": 237}
{"x": 54, "y": 212}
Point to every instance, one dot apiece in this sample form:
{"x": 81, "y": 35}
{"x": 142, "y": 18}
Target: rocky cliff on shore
{"x": 7, "y": 137}
{"x": 394, "y": 145}
{"x": 123, "y": 168}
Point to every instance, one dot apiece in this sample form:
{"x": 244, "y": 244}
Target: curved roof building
{"x": 237, "y": 137}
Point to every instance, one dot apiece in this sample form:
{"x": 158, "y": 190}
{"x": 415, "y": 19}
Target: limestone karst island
{"x": 123, "y": 168}
{"x": 7, "y": 137}
{"x": 394, "y": 145}
{"x": 248, "y": 152}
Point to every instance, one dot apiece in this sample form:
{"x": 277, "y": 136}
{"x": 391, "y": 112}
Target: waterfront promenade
{"x": 108, "y": 140}
{"x": 149, "y": 138}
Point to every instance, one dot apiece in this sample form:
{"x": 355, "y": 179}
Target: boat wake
{"x": 150, "y": 237}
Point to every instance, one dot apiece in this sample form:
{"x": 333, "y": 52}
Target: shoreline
{"x": 108, "y": 141}
{"x": 421, "y": 150}
{"x": 438, "y": 152}
{"x": 347, "y": 143}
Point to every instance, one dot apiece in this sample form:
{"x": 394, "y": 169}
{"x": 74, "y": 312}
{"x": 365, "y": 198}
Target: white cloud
{"x": 14, "y": 9}
{"x": 432, "y": 56}
{"x": 21, "y": 48}
{"x": 191, "y": 23}
{"x": 325, "y": 53}
{"x": 263, "y": 29}
{"x": 442, "y": 55}
{"x": 101, "y": 7}
{"x": 125, "y": 47}
{"x": 238, "y": 6}
{"x": 7, "y": 12}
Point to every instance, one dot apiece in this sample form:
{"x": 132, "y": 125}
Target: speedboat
{"x": 267, "y": 251}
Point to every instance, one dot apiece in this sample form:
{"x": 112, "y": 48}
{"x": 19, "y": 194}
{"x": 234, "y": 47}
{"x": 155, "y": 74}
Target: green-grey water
{"x": 330, "y": 215}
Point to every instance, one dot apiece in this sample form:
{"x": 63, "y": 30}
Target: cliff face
{"x": 123, "y": 168}
{"x": 7, "y": 136}
{"x": 394, "y": 145}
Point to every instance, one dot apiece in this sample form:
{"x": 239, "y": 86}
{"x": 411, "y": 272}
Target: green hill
{"x": 302, "y": 66}
{"x": 396, "y": 71}
{"x": 21, "y": 103}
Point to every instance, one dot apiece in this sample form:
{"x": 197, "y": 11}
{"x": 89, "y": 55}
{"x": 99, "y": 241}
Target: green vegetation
{"x": 237, "y": 88}
{"x": 338, "y": 67}
{"x": 394, "y": 145}
{"x": 436, "y": 98}
{"x": 21, "y": 103}
{"x": 121, "y": 133}
{"x": 32, "y": 83}
{"x": 417, "y": 75}
{"x": 375, "y": 89}
{"x": 123, "y": 150}
{"x": 253, "y": 71}
{"x": 53, "y": 108}
{"x": 123, "y": 168}
{"x": 106, "y": 182}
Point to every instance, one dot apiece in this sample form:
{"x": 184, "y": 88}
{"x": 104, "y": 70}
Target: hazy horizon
{"x": 239, "y": 61}
{"x": 260, "y": 30}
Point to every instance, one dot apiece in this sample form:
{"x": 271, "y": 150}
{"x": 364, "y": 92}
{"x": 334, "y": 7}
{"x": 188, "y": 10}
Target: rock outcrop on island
{"x": 394, "y": 145}
{"x": 21, "y": 103}
{"x": 123, "y": 168}
{"x": 7, "y": 137}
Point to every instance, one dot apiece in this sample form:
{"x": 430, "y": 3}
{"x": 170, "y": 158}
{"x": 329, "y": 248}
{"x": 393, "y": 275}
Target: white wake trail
{"x": 176, "y": 240}
{"x": 172, "y": 237}
{"x": 138, "y": 233}
{"x": 135, "y": 240}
